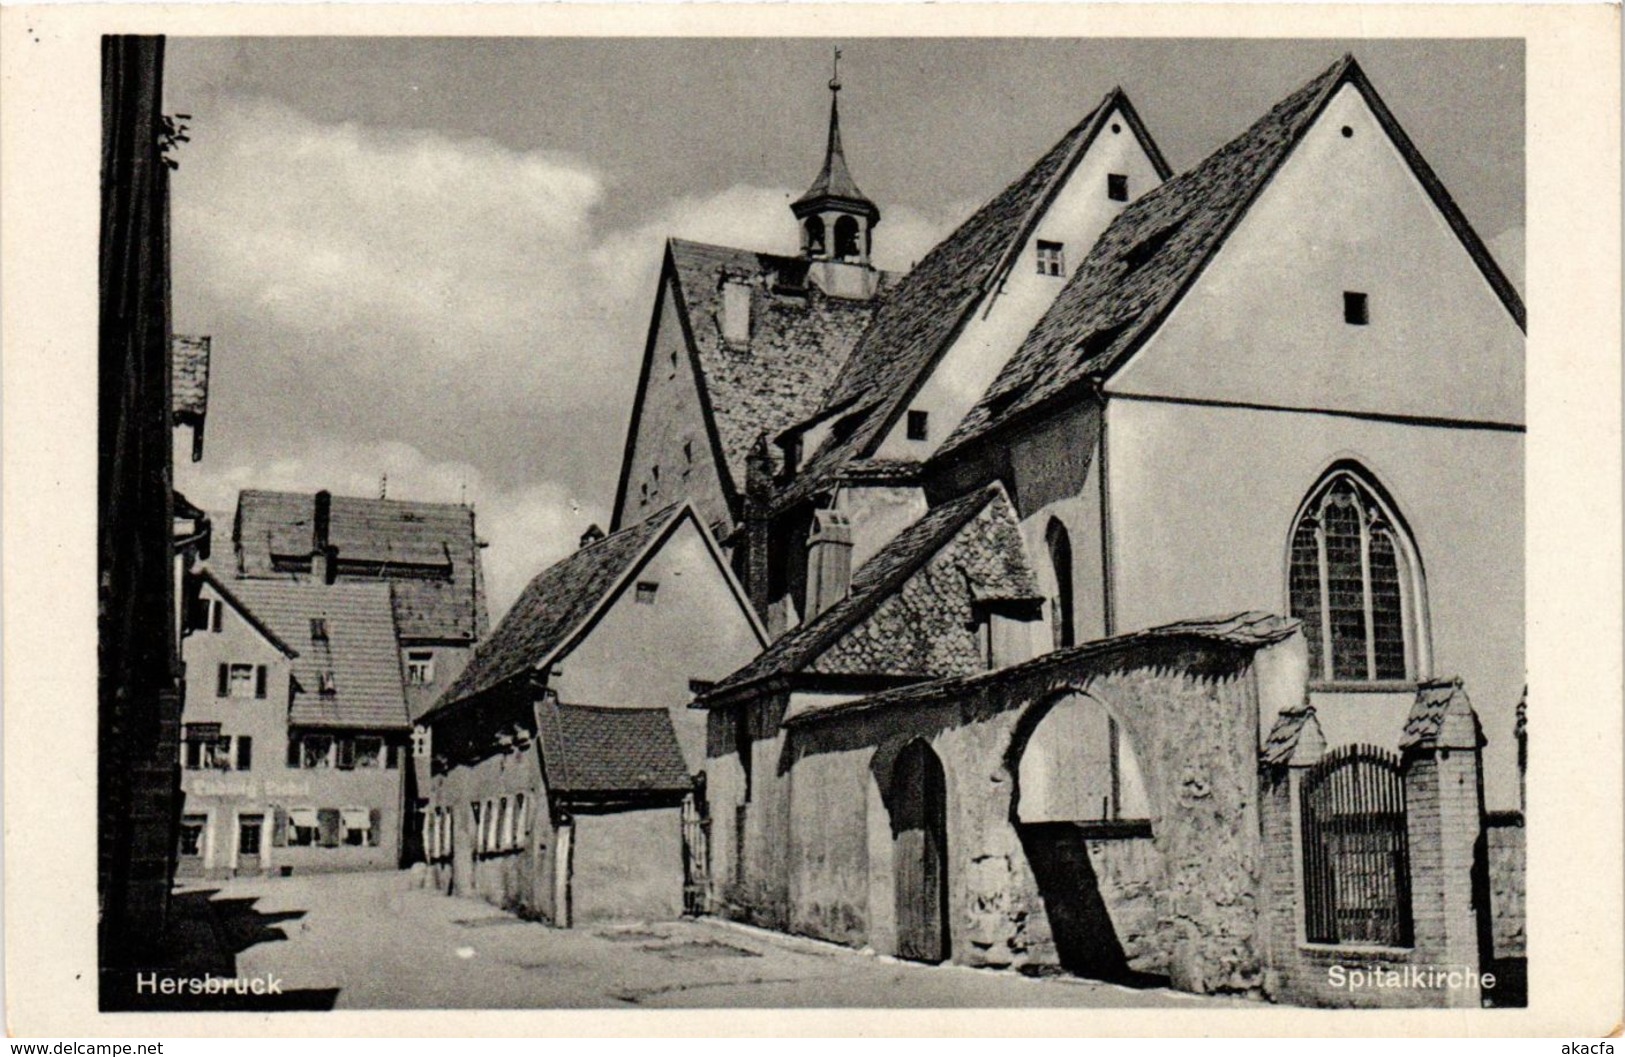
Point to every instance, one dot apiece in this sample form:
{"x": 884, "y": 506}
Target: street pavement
{"x": 380, "y": 941}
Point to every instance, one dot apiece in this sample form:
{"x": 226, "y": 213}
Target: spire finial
{"x": 835, "y": 71}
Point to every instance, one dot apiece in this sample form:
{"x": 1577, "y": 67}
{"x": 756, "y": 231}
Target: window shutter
{"x": 245, "y": 752}
{"x": 327, "y": 820}
{"x": 293, "y": 751}
{"x": 374, "y": 824}
{"x": 279, "y": 828}
{"x": 259, "y": 680}
{"x": 223, "y": 683}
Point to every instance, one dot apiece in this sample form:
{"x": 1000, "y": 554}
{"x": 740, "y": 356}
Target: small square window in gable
{"x": 646, "y": 591}
{"x": 1117, "y": 186}
{"x": 919, "y": 425}
{"x": 1051, "y": 258}
{"x": 1356, "y": 308}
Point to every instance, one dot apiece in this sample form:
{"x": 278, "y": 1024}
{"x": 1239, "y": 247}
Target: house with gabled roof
{"x": 295, "y": 734}
{"x": 1290, "y": 379}
{"x": 563, "y": 778}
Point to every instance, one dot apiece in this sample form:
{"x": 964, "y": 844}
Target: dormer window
{"x": 318, "y": 629}
{"x": 919, "y": 425}
{"x": 646, "y": 591}
{"x": 1051, "y": 258}
{"x": 1117, "y": 187}
{"x": 328, "y": 685}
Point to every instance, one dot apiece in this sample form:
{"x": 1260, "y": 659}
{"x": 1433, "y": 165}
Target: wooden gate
{"x": 1356, "y": 856}
{"x": 696, "y": 859}
{"x": 920, "y": 854}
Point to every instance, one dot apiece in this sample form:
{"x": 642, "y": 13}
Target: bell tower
{"x": 837, "y": 220}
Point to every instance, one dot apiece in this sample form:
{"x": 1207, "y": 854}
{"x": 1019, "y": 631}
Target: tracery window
{"x": 1355, "y": 582}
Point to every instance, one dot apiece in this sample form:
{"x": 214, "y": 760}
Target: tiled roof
{"x": 360, "y": 649}
{"x": 909, "y": 606}
{"x": 924, "y": 313}
{"x": 441, "y": 594}
{"x": 799, "y": 337}
{"x": 587, "y": 749}
{"x": 1243, "y": 631}
{"x": 553, "y": 604}
{"x": 1436, "y": 703}
{"x": 1151, "y": 254}
{"x": 1290, "y": 728}
{"x": 189, "y": 376}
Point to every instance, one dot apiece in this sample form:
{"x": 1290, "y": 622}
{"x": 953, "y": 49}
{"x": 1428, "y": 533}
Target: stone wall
{"x": 1504, "y": 845}
{"x": 1181, "y": 903}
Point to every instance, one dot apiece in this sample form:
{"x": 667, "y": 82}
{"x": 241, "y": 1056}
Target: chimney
{"x": 829, "y": 561}
{"x": 323, "y": 555}
{"x": 592, "y": 535}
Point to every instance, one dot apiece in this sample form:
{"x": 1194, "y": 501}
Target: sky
{"x": 435, "y": 259}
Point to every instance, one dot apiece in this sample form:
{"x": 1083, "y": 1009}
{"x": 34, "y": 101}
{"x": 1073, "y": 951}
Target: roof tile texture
{"x": 189, "y": 394}
{"x": 909, "y": 608}
{"x": 447, "y": 602}
{"x": 798, "y": 342}
{"x": 588, "y": 749}
{"x": 360, "y": 649}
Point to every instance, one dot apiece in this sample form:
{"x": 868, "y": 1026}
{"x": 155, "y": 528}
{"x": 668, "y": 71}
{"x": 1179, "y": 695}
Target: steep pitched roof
{"x": 933, "y": 302}
{"x": 554, "y": 605}
{"x": 1245, "y": 632}
{"x": 834, "y": 183}
{"x": 799, "y": 337}
{"x": 359, "y": 649}
{"x": 596, "y": 750}
{"x": 273, "y": 533}
{"x": 906, "y": 613}
{"x": 1152, "y": 253}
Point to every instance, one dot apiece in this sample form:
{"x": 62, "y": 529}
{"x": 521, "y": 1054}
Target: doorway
{"x": 920, "y": 854}
{"x": 250, "y": 834}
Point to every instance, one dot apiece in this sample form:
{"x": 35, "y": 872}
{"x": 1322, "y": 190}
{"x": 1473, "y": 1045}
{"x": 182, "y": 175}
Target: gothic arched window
{"x": 813, "y": 231}
{"x": 1355, "y": 581}
{"x": 847, "y": 234}
{"x": 1060, "y": 563}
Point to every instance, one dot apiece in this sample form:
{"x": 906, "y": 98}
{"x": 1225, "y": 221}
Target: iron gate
{"x": 1356, "y": 856}
{"x": 696, "y": 859}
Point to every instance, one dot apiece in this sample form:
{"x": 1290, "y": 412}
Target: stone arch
{"x": 848, "y": 239}
{"x": 1082, "y": 811}
{"x": 812, "y": 234}
{"x": 1348, "y": 503}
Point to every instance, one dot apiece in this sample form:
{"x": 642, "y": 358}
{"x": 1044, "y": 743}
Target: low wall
{"x": 1181, "y": 903}
{"x": 627, "y": 865}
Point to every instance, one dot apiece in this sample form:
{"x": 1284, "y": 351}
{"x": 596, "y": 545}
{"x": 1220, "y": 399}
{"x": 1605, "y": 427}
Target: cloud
{"x": 450, "y": 311}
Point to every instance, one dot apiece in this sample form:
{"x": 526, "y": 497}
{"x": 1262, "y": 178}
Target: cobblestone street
{"x": 376, "y": 941}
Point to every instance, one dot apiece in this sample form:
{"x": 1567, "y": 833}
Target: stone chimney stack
{"x": 323, "y": 555}
{"x": 829, "y": 561}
